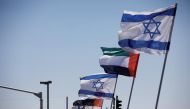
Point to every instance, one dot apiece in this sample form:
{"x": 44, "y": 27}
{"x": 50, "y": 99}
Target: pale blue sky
{"x": 60, "y": 40}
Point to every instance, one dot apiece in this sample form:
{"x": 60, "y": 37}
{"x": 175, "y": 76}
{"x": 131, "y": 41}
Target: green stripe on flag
{"x": 114, "y": 52}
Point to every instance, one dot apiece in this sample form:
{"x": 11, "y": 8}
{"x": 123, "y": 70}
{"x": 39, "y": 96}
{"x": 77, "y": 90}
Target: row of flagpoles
{"x": 141, "y": 32}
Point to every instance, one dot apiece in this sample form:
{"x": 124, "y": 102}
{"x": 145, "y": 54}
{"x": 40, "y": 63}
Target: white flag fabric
{"x": 147, "y": 32}
{"x": 98, "y": 86}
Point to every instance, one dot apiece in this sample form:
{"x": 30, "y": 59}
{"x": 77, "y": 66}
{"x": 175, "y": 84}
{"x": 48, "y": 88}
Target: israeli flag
{"x": 98, "y": 86}
{"x": 147, "y": 32}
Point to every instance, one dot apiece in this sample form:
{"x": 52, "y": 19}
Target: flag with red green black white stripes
{"x": 118, "y": 61}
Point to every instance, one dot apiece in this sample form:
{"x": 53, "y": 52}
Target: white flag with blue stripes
{"x": 98, "y": 86}
{"x": 147, "y": 32}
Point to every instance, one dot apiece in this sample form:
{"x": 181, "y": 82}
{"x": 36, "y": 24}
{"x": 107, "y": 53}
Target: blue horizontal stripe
{"x": 144, "y": 44}
{"x": 98, "y": 76}
{"x": 98, "y": 94}
{"x": 138, "y": 18}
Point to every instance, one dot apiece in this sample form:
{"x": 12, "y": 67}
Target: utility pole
{"x": 47, "y": 83}
{"x": 39, "y": 95}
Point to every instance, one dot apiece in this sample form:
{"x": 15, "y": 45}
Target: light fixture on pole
{"x": 39, "y": 95}
{"x": 47, "y": 83}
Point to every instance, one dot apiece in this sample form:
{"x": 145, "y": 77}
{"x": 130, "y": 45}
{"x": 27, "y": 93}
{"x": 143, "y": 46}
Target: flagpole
{"x": 164, "y": 65}
{"x": 102, "y": 103}
{"x": 114, "y": 92}
{"x": 133, "y": 82}
{"x": 131, "y": 92}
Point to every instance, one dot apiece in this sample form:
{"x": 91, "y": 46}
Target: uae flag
{"x": 85, "y": 107}
{"x": 89, "y": 102}
{"x": 118, "y": 61}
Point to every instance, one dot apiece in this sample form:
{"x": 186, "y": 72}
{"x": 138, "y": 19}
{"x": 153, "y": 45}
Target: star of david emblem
{"x": 97, "y": 85}
{"x": 151, "y": 27}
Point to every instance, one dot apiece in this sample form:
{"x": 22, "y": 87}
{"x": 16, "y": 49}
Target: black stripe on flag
{"x": 116, "y": 70}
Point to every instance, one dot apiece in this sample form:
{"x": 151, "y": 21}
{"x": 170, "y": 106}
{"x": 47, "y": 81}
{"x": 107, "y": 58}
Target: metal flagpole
{"x": 164, "y": 65}
{"x": 67, "y": 103}
{"x": 113, "y": 105}
{"x": 114, "y": 92}
{"x": 133, "y": 82}
{"x": 131, "y": 93}
{"x": 102, "y": 103}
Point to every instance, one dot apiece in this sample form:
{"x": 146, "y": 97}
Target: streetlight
{"x": 39, "y": 95}
{"x": 47, "y": 83}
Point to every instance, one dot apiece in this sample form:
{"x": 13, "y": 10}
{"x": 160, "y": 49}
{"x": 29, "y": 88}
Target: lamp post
{"x": 39, "y": 95}
{"x": 47, "y": 83}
